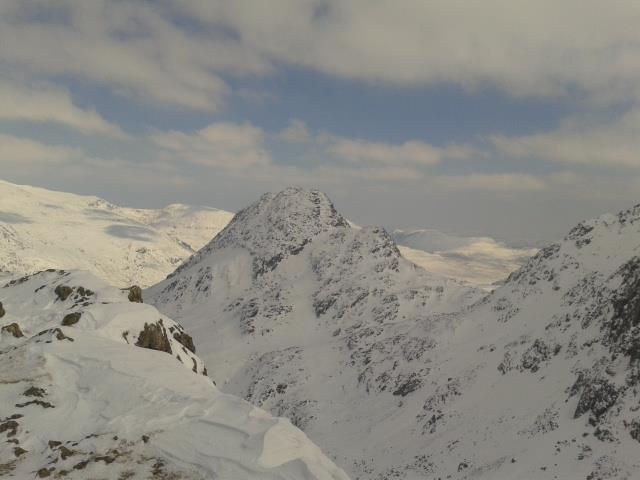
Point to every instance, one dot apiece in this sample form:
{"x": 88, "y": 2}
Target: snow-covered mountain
{"x": 397, "y": 373}
{"x": 480, "y": 261}
{"x": 94, "y": 385}
{"x": 42, "y": 229}
{"x": 317, "y": 321}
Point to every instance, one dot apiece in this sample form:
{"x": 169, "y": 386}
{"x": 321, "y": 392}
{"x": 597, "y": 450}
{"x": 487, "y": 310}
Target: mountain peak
{"x": 276, "y": 226}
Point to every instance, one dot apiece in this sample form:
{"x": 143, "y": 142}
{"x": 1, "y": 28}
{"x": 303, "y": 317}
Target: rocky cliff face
{"x": 94, "y": 385}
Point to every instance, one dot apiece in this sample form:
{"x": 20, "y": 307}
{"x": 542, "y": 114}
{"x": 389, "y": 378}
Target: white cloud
{"x": 494, "y": 182}
{"x": 361, "y": 151}
{"x": 544, "y": 47}
{"x": 595, "y": 142}
{"x": 25, "y": 153}
{"x": 400, "y": 157}
{"x": 223, "y": 144}
{"x": 133, "y": 48}
{"x": 176, "y": 52}
{"x": 44, "y": 103}
{"x": 295, "y": 132}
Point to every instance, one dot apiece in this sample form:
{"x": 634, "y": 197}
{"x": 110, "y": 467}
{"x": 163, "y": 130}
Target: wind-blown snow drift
{"x": 93, "y": 386}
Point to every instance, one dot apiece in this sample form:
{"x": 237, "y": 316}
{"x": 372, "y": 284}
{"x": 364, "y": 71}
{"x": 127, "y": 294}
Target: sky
{"x": 508, "y": 118}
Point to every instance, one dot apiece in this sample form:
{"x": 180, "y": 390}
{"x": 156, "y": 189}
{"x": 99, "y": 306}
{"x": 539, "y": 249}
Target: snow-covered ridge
{"x": 42, "y": 229}
{"x": 95, "y": 386}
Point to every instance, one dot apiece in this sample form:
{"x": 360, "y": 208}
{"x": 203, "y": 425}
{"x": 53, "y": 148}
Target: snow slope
{"x": 80, "y": 398}
{"x": 317, "y": 321}
{"x": 41, "y": 229}
{"x": 398, "y": 374}
{"x": 481, "y": 261}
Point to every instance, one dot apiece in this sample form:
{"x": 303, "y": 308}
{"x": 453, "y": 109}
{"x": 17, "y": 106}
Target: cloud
{"x": 44, "y": 103}
{"x": 137, "y": 49}
{"x": 361, "y": 151}
{"x": 26, "y": 154}
{"x": 223, "y": 144}
{"x": 295, "y": 132}
{"x": 603, "y": 142}
{"x": 495, "y": 182}
{"x": 524, "y": 48}
{"x": 177, "y": 53}
{"x": 402, "y": 157}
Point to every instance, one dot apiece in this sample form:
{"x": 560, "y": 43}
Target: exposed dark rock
{"x": 408, "y": 385}
{"x": 63, "y": 292}
{"x": 43, "y": 473}
{"x": 186, "y": 340}
{"x": 65, "y": 452}
{"x": 635, "y": 429}
{"x": 35, "y": 402}
{"x": 536, "y": 354}
{"x": 13, "y": 329}
{"x": 18, "y": 451}
{"x": 604, "y": 435}
{"x": 81, "y": 465}
{"x": 56, "y": 333}
{"x": 34, "y": 392}
{"x": 135, "y": 294}
{"x": 597, "y": 397}
{"x": 154, "y": 336}
{"x": 580, "y": 234}
{"x": 10, "y": 426}
{"x": 2, "y": 312}
{"x": 623, "y": 329}
{"x": 71, "y": 319}
{"x": 107, "y": 459}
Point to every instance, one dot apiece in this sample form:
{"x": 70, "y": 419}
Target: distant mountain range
{"x": 42, "y": 229}
{"x": 480, "y": 261}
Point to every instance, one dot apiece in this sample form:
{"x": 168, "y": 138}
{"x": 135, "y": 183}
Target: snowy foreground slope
{"x": 480, "y": 261}
{"x": 395, "y": 375}
{"x": 93, "y": 386}
{"x": 42, "y": 229}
